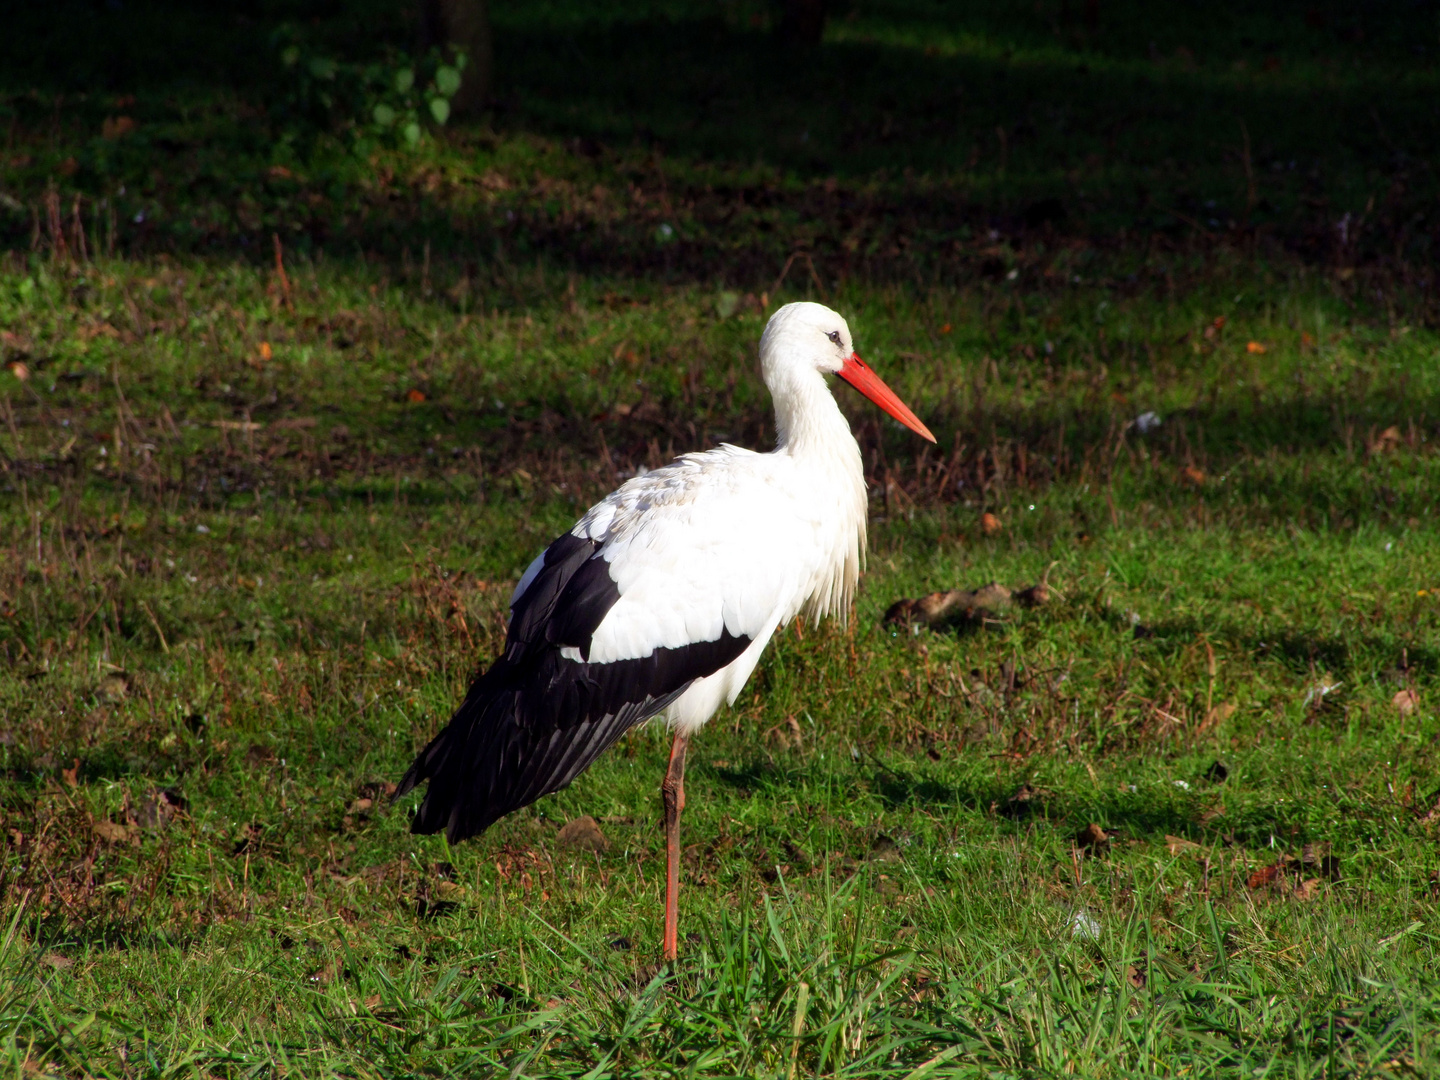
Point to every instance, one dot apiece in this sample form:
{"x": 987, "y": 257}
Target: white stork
{"x": 663, "y": 596}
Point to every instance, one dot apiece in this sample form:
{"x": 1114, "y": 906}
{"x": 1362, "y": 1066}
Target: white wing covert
{"x": 708, "y": 545}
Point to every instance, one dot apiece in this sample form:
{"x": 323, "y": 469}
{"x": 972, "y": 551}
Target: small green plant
{"x": 400, "y": 102}
{"x": 386, "y": 102}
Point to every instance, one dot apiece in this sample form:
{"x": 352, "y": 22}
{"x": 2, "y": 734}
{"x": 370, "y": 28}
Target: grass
{"x": 258, "y": 532}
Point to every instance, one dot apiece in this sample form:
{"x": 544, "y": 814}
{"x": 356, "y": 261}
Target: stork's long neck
{"x": 813, "y": 432}
{"x": 808, "y": 422}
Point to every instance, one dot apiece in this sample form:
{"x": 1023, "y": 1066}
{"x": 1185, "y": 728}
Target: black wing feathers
{"x": 583, "y": 603}
{"x": 535, "y": 606}
{"x": 536, "y": 720}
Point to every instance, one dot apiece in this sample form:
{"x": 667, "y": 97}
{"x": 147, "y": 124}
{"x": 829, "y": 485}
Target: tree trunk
{"x": 462, "y": 26}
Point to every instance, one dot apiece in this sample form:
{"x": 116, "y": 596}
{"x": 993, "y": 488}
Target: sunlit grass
{"x": 294, "y": 608}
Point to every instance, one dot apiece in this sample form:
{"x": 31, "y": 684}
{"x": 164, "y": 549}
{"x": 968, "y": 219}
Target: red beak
{"x": 858, "y": 374}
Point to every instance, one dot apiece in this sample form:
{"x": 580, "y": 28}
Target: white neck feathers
{"x": 811, "y": 430}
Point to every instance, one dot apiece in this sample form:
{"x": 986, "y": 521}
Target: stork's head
{"x": 807, "y": 338}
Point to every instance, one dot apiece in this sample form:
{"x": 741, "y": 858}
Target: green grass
{"x": 255, "y": 538}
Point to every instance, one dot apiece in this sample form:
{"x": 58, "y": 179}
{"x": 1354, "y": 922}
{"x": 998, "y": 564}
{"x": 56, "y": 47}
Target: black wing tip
{"x": 408, "y": 782}
{"x": 437, "y": 813}
{"x": 431, "y": 818}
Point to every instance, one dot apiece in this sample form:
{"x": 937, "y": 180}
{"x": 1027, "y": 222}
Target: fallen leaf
{"x": 69, "y": 167}
{"x": 71, "y": 776}
{"x": 415, "y": 396}
{"x": 1277, "y": 875}
{"x": 280, "y": 172}
{"x": 266, "y": 352}
{"x": 1308, "y": 889}
{"x": 1178, "y": 844}
{"x": 372, "y": 1002}
{"x": 583, "y": 834}
{"x": 1406, "y": 701}
{"x": 1135, "y": 977}
{"x": 159, "y": 809}
{"x": 989, "y": 524}
{"x": 450, "y": 891}
{"x": 111, "y": 832}
{"x": 1219, "y": 714}
{"x": 327, "y": 972}
{"x": 1191, "y": 475}
{"x": 1264, "y": 877}
{"x": 113, "y": 127}
{"x": 1306, "y": 340}
{"x": 1255, "y": 347}
{"x": 1092, "y": 838}
{"x": 797, "y": 739}
{"x": 945, "y": 329}
{"x": 1388, "y": 439}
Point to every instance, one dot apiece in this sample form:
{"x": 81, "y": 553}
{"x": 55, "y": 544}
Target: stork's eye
{"x": 834, "y": 336}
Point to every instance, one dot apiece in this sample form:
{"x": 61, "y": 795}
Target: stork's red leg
{"x": 673, "y": 793}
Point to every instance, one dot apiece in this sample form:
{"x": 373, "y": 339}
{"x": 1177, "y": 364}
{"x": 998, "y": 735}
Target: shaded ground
{"x": 919, "y": 145}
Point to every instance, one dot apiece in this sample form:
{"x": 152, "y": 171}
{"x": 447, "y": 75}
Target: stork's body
{"x": 663, "y": 596}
